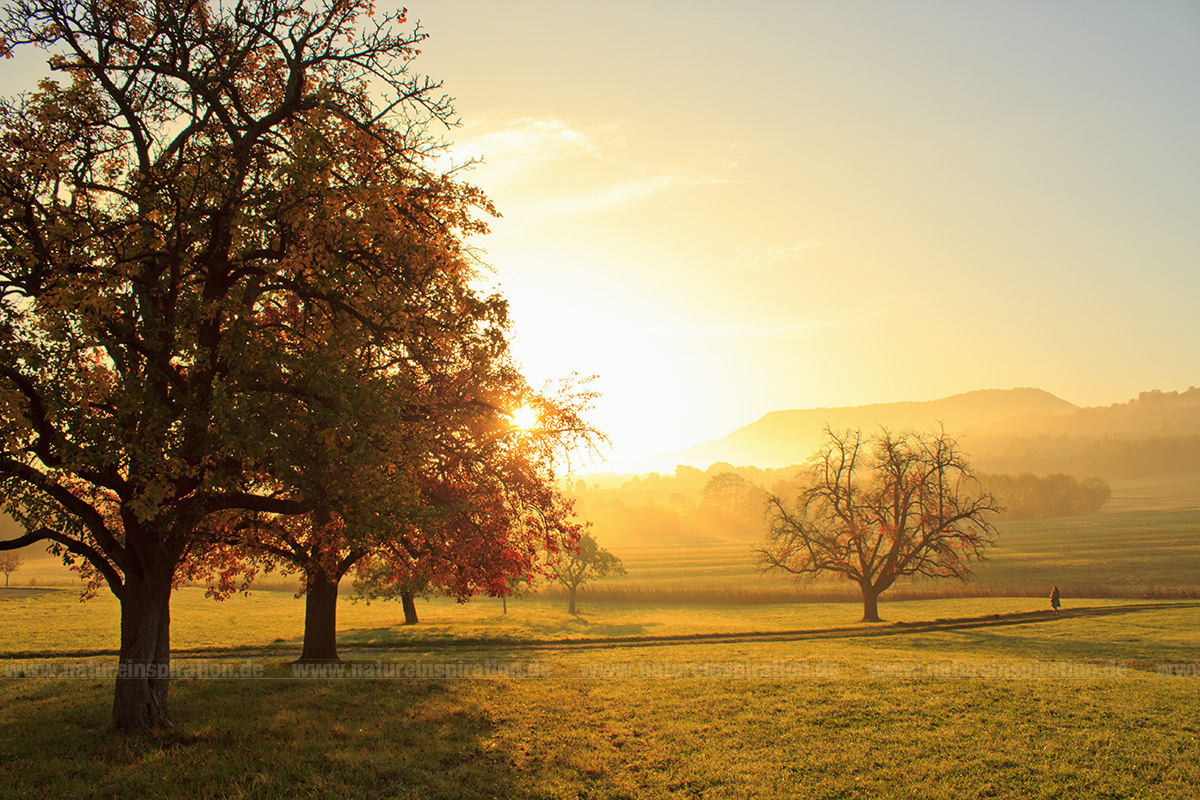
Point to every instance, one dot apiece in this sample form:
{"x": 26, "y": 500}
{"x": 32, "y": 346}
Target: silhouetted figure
{"x": 1055, "y": 599}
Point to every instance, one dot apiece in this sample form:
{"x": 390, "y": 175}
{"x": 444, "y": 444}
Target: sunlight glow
{"x": 525, "y": 418}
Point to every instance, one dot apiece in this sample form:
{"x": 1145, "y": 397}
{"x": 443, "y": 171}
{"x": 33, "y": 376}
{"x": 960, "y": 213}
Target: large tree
{"x": 881, "y": 508}
{"x": 472, "y": 503}
{"x": 208, "y": 207}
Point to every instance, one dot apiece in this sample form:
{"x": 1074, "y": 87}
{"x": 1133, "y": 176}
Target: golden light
{"x": 525, "y": 418}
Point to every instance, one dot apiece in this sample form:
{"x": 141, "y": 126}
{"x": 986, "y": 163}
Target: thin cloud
{"x": 546, "y": 168}
{"x": 746, "y": 331}
{"x": 614, "y": 196}
{"x": 760, "y": 255}
{"x": 518, "y": 148}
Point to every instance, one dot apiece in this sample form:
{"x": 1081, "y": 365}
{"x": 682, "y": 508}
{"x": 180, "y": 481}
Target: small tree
{"x": 879, "y": 509}
{"x": 733, "y": 502}
{"x": 589, "y": 561}
{"x": 374, "y": 580}
{"x": 517, "y": 586}
{"x": 9, "y": 563}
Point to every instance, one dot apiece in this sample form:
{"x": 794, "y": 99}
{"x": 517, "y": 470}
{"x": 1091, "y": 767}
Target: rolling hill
{"x": 781, "y": 438}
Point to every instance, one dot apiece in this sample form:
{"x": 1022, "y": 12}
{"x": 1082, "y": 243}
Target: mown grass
{"x": 1136, "y": 551}
{"x": 56, "y": 622}
{"x": 1140, "y": 553}
{"x": 573, "y": 738}
{"x": 839, "y": 730}
{"x": 576, "y": 734}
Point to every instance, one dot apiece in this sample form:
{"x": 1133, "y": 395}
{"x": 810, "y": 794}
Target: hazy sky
{"x": 725, "y": 209}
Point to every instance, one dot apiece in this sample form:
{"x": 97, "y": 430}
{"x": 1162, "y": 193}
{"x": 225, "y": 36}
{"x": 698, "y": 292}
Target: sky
{"x": 725, "y": 209}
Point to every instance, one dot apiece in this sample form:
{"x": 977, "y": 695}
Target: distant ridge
{"x": 782, "y": 438}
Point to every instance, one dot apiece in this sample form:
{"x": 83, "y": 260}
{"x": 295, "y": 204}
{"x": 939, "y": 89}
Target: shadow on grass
{"x": 595, "y": 638}
{"x": 529, "y": 631}
{"x": 274, "y": 737}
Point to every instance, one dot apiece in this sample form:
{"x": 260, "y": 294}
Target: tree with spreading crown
{"x": 224, "y": 246}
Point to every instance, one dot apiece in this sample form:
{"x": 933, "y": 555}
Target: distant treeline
{"x": 1027, "y": 496}
{"x": 1114, "y": 457}
{"x": 726, "y": 502}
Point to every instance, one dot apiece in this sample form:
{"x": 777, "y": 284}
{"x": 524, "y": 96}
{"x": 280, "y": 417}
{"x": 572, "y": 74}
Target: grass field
{"x": 954, "y": 697}
{"x": 1024, "y": 705}
{"x": 574, "y": 739}
{"x": 1127, "y": 554}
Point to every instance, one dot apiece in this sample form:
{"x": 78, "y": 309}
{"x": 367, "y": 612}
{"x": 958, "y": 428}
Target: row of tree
{"x": 239, "y": 328}
{"x": 1028, "y": 496}
{"x": 571, "y": 567}
{"x": 1116, "y": 457}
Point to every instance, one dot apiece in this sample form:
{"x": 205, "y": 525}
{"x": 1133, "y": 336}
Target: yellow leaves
{"x": 147, "y": 505}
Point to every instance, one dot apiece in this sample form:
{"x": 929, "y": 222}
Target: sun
{"x": 525, "y": 418}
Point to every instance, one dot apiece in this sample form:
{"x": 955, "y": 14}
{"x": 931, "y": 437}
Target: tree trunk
{"x": 504, "y": 600}
{"x": 571, "y": 608}
{"x": 409, "y": 601}
{"x": 320, "y": 618}
{"x": 144, "y": 665}
{"x": 870, "y": 597}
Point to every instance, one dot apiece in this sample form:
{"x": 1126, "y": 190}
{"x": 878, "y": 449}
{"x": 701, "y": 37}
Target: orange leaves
{"x": 246, "y": 280}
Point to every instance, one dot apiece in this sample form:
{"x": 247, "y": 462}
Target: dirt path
{"x": 860, "y": 631}
{"x": 24, "y": 591}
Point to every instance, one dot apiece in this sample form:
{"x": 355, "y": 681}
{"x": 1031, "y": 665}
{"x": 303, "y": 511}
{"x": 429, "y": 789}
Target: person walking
{"x": 1055, "y": 599}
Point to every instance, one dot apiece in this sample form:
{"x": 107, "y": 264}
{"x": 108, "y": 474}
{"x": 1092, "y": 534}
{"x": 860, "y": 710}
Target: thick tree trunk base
{"x": 144, "y": 665}
{"x": 410, "y": 608}
{"x": 320, "y": 621}
{"x": 871, "y": 606}
{"x": 140, "y": 706}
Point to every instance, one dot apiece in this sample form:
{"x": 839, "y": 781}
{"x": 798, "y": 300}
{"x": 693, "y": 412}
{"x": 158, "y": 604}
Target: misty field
{"x": 1136, "y": 553}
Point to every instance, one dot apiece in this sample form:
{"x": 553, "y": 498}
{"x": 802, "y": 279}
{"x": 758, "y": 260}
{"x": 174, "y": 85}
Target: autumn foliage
{"x": 236, "y": 309}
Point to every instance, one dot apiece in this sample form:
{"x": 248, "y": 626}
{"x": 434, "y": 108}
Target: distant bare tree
{"x": 881, "y": 508}
{"x": 9, "y": 563}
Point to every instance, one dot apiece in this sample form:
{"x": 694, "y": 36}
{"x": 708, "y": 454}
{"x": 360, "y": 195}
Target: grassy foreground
{"x": 956, "y": 708}
{"x": 954, "y": 698}
{"x": 574, "y": 738}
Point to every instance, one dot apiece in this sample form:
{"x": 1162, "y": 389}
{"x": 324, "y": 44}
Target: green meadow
{"x": 641, "y": 701}
{"x": 691, "y": 678}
